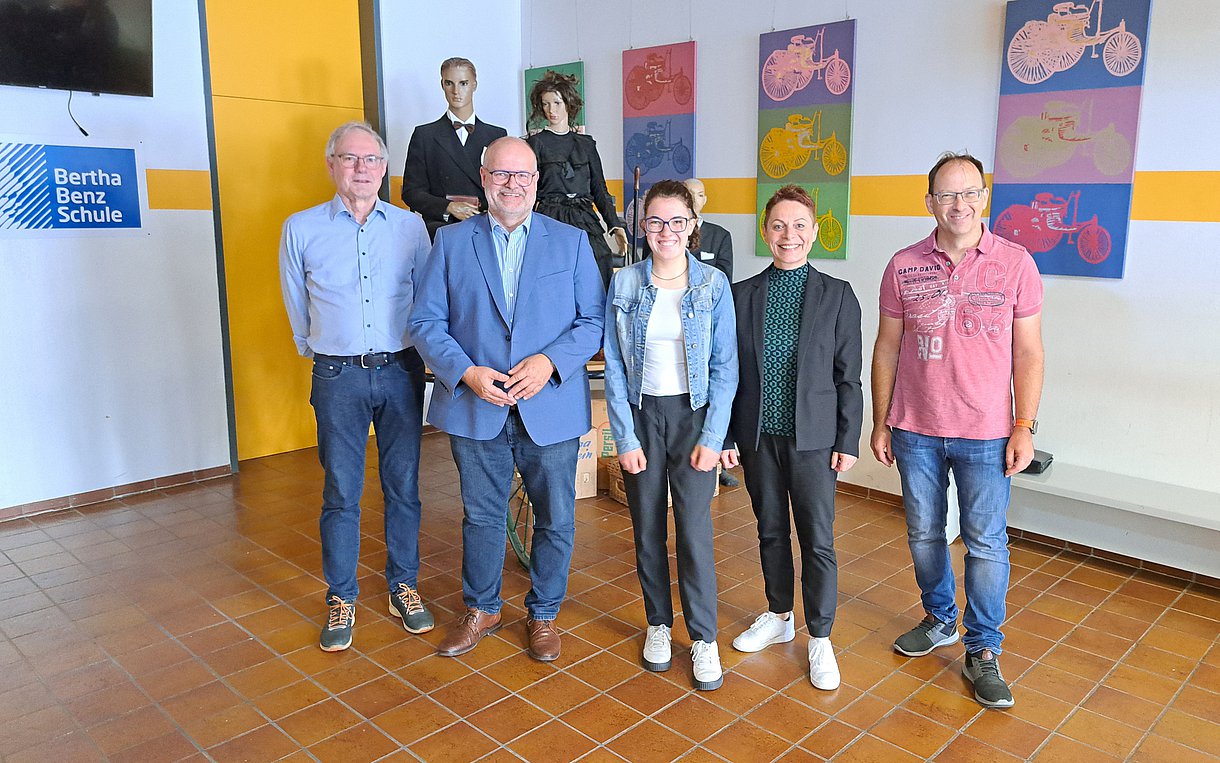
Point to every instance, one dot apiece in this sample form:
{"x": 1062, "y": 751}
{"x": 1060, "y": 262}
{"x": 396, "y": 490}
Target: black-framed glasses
{"x": 351, "y": 160}
{"x": 656, "y": 224}
{"x": 970, "y": 195}
{"x": 501, "y": 177}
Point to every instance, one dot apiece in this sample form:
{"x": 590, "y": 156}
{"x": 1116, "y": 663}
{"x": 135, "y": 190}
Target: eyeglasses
{"x": 351, "y": 160}
{"x": 523, "y": 178}
{"x": 656, "y": 224}
{"x": 970, "y": 195}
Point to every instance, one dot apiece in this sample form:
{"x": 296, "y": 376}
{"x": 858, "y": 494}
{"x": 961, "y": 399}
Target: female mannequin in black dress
{"x": 571, "y": 182}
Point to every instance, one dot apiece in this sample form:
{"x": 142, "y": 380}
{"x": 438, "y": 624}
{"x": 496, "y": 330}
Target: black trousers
{"x": 779, "y": 476}
{"x": 668, "y": 430}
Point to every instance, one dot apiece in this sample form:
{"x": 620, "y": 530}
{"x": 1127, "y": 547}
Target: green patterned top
{"x": 781, "y": 333}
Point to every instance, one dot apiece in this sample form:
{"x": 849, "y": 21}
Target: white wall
{"x": 114, "y": 371}
{"x": 416, "y": 37}
{"x": 1133, "y": 366}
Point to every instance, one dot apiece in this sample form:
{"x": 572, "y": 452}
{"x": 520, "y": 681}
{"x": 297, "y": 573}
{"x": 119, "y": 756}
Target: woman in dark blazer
{"x": 796, "y": 422}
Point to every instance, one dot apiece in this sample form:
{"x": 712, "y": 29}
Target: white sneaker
{"x": 657, "y": 650}
{"x": 769, "y": 628}
{"x": 823, "y": 670}
{"x": 706, "y": 659}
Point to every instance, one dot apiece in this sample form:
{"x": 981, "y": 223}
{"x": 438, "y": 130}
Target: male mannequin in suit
{"x": 509, "y": 309}
{"x": 441, "y": 178}
{"x": 716, "y": 249}
{"x": 715, "y": 243}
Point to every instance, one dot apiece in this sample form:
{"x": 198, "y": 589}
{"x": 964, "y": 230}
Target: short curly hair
{"x": 675, "y": 189}
{"x": 790, "y": 192}
{"x": 563, "y": 85}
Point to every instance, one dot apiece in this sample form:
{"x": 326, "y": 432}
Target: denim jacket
{"x": 709, "y": 329}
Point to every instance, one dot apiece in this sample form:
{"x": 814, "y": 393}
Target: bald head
{"x": 512, "y": 161}
{"x": 697, "y": 192}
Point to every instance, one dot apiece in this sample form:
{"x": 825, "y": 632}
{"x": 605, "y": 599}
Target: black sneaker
{"x": 340, "y": 618}
{"x": 983, "y": 670}
{"x": 728, "y": 480}
{"x": 406, "y": 605}
{"x": 923, "y": 638}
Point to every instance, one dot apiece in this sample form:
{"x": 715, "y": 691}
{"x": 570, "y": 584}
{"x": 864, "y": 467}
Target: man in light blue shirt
{"x": 348, "y": 269}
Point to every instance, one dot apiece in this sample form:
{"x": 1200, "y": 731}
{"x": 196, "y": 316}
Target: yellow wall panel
{"x": 284, "y": 75}
{"x": 270, "y": 164}
{"x": 305, "y": 51}
{"x": 179, "y": 189}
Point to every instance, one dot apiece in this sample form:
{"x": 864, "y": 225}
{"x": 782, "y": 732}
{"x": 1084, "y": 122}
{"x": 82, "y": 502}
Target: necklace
{"x": 670, "y": 278}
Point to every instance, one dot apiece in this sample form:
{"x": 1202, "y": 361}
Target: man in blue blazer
{"x": 508, "y": 310}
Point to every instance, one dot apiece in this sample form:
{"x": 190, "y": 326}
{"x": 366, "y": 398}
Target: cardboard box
{"x": 586, "y": 466}
{"x": 613, "y": 472}
{"x": 604, "y": 439}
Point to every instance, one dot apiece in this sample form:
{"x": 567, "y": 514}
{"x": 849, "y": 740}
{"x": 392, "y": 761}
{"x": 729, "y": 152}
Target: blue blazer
{"x": 459, "y": 319}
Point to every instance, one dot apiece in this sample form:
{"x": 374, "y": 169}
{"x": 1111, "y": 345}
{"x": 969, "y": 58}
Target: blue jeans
{"x": 485, "y": 471}
{"x": 346, "y": 399}
{"x": 983, "y": 493}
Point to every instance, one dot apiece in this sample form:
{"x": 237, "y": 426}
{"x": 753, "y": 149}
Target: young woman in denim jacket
{"x": 671, "y": 373}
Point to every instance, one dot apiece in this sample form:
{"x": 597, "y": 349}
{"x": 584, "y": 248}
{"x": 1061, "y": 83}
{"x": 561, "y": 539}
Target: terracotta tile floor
{"x": 182, "y": 624}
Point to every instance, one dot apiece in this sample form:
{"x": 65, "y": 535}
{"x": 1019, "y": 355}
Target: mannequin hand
{"x": 461, "y": 210}
{"x": 620, "y": 238}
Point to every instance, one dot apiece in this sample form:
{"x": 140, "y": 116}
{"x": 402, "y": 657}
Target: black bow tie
{"x": 459, "y": 125}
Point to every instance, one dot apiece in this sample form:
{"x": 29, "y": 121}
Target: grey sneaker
{"x": 340, "y": 618}
{"x": 983, "y": 670}
{"x": 406, "y": 605}
{"x": 923, "y": 638}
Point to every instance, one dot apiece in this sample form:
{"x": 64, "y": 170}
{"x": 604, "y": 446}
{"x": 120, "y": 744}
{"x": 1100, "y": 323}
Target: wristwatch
{"x": 1030, "y": 424}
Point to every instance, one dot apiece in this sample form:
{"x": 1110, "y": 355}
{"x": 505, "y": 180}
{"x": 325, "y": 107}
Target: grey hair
{"x": 357, "y": 124}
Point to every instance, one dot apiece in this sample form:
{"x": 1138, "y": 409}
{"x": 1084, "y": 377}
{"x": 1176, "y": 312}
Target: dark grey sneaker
{"x": 406, "y": 605}
{"x": 983, "y": 670}
{"x": 923, "y": 638}
{"x": 728, "y": 480}
{"x": 340, "y": 618}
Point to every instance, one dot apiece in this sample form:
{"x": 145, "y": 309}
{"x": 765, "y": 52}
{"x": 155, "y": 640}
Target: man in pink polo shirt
{"x": 957, "y": 375}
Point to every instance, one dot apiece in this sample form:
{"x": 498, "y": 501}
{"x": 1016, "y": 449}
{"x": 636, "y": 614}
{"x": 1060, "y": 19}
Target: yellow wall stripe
{"x": 179, "y": 189}
{"x": 1179, "y": 196}
{"x": 1158, "y": 196}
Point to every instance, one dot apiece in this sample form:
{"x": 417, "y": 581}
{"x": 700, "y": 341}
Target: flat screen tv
{"x": 91, "y": 46}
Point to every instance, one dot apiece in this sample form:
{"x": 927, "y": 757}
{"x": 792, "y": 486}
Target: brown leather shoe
{"x": 544, "y": 639}
{"x": 468, "y": 632}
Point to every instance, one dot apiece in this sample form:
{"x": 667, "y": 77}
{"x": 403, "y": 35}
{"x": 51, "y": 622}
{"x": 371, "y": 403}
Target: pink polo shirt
{"x": 955, "y": 362}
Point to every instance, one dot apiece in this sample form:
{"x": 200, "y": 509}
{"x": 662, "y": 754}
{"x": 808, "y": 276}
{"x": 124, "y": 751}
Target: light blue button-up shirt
{"x": 348, "y": 287}
{"x": 510, "y": 251}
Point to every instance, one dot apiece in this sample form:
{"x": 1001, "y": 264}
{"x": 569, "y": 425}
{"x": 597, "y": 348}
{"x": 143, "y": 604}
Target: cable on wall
{"x": 82, "y": 130}
{"x": 529, "y": 25}
{"x": 576, "y": 23}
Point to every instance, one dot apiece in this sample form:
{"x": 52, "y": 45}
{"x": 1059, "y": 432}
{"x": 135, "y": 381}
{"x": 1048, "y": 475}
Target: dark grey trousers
{"x": 668, "y": 430}
{"x": 777, "y": 476}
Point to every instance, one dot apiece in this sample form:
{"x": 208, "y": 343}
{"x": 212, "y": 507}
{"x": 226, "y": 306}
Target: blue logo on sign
{"x": 67, "y": 187}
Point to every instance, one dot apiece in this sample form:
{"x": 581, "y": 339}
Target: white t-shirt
{"x": 664, "y": 348}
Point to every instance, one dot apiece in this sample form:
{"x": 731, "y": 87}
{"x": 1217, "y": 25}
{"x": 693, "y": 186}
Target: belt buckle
{"x": 362, "y": 357}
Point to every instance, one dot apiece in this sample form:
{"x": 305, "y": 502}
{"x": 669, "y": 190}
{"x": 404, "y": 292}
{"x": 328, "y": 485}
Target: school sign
{"x": 67, "y": 188}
